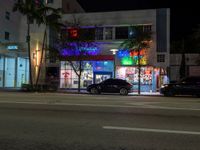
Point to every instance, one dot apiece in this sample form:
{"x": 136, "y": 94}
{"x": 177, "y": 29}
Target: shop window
{"x": 92, "y": 71}
{"x": 21, "y": 71}
{"x": 7, "y": 36}
{"x": 160, "y": 58}
{"x": 130, "y": 74}
{"x": 7, "y": 16}
{"x": 99, "y": 33}
{"x": 121, "y": 33}
{"x": 108, "y": 33}
{"x": 10, "y": 72}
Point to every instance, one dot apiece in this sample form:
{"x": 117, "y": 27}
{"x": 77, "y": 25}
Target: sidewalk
{"x": 75, "y": 91}
{"x": 85, "y": 92}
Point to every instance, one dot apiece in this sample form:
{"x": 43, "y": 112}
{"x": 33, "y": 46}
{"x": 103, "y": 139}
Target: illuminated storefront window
{"x": 93, "y": 71}
{"x": 148, "y": 77}
{"x": 22, "y": 71}
{"x": 12, "y": 75}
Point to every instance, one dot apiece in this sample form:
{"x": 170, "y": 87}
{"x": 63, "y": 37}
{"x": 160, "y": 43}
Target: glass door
{"x": 101, "y": 76}
{"x": 9, "y": 72}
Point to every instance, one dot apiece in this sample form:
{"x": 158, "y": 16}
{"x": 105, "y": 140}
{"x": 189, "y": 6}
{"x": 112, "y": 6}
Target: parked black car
{"x": 110, "y": 86}
{"x": 186, "y": 86}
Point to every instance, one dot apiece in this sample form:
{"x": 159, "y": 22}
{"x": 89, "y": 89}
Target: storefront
{"x": 93, "y": 72}
{"x": 150, "y": 77}
{"x": 14, "y": 71}
{"x": 123, "y": 66}
{"x": 97, "y": 71}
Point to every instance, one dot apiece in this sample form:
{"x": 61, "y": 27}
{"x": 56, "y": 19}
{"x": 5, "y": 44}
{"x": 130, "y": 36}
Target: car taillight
{"x": 130, "y": 85}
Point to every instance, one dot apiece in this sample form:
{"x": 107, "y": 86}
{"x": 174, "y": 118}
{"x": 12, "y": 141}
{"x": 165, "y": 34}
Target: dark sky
{"x": 185, "y": 15}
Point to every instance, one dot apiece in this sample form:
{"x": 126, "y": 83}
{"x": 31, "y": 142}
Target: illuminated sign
{"x": 12, "y": 47}
{"x": 131, "y": 57}
{"x": 73, "y": 33}
{"x": 123, "y": 53}
{"x": 88, "y": 48}
{"x": 127, "y": 61}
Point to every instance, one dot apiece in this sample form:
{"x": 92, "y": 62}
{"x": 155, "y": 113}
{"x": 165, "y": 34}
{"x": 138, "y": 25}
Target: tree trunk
{"x": 29, "y": 53}
{"x": 139, "y": 71}
{"x": 79, "y": 76}
{"x": 41, "y": 58}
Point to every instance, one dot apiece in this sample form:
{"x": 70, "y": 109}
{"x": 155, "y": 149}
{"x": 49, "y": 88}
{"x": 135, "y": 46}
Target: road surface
{"x": 56, "y": 121}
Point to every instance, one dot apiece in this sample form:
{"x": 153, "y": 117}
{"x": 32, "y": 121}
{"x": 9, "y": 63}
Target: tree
{"x": 182, "y": 70}
{"x": 41, "y": 14}
{"x": 138, "y": 40}
{"x": 196, "y": 38}
{"x": 74, "y": 47}
{"x": 28, "y": 9}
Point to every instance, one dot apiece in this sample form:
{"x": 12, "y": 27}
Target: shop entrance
{"x": 101, "y": 76}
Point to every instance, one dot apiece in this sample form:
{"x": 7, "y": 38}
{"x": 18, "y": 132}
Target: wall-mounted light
{"x": 114, "y": 51}
{"x": 34, "y": 55}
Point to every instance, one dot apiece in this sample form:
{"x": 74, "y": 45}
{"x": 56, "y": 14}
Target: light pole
{"x": 114, "y": 53}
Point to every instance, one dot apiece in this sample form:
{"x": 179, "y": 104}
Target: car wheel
{"x": 123, "y": 91}
{"x": 94, "y": 91}
{"x": 169, "y": 93}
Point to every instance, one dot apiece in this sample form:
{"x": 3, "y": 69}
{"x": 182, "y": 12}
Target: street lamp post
{"x": 114, "y": 53}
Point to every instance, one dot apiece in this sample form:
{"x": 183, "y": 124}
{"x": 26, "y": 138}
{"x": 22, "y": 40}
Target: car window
{"x": 107, "y": 82}
{"x": 117, "y": 82}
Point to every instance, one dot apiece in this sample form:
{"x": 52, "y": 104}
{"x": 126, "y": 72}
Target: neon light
{"x": 73, "y": 49}
{"x": 127, "y": 61}
{"x": 88, "y": 48}
{"x": 73, "y": 33}
{"x": 123, "y": 53}
{"x": 131, "y": 57}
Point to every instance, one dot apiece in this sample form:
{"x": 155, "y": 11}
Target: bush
{"x": 26, "y": 87}
{"x": 39, "y": 88}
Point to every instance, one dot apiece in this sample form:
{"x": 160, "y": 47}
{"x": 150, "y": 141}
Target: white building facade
{"x": 111, "y": 29}
{"x": 14, "y": 62}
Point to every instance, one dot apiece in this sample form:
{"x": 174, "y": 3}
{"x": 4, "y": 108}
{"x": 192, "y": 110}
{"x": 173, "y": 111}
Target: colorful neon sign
{"x": 131, "y": 57}
{"x": 127, "y": 61}
{"x": 123, "y": 53}
{"x": 73, "y": 50}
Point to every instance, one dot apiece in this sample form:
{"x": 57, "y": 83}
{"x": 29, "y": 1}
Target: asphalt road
{"x": 55, "y": 121}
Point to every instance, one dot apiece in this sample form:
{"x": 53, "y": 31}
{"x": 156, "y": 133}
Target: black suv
{"x": 110, "y": 86}
{"x": 186, "y": 86}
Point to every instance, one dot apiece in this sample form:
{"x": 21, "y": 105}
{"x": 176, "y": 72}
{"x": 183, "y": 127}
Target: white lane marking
{"x": 151, "y": 130}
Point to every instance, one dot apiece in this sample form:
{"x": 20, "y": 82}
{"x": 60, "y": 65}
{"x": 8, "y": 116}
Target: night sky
{"x": 185, "y": 15}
